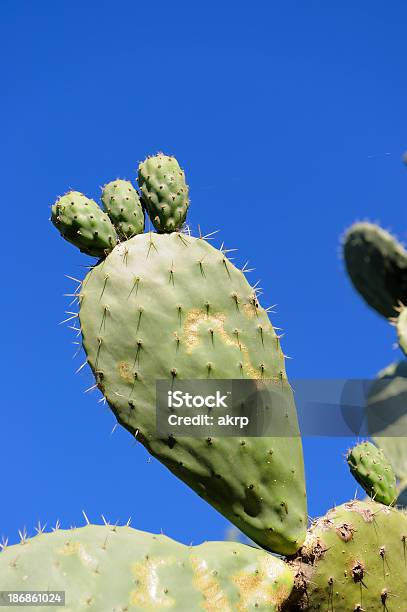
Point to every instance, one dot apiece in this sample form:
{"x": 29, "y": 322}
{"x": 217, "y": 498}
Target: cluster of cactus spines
{"x": 353, "y": 560}
{"x": 164, "y": 191}
{"x": 122, "y": 203}
{"x": 81, "y": 222}
{"x": 377, "y": 266}
{"x": 171, "y": 306}
{"x": 112, "y": 568}
{"x": 372, "y": 470}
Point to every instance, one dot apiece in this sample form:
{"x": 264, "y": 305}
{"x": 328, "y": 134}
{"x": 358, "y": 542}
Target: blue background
{"x": 290, "y": 121}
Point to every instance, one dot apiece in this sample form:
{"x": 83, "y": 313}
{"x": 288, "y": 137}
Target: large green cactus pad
{"x": 165, "y": 306}
{"x": 372, "y": 470}
{"x": 164, "y": 191}
{"x": 122, "y": 204}
{"x": 120, "y": 569}
{"x": 353, "y": 559}
{"x": 81, "y": 222}
{"x": 377, "y": 265}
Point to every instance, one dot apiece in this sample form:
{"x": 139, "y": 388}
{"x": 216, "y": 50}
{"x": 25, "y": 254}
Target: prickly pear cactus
{"x": 372, "y": 470}
{"x": 122, "y": 204}
{"x": 110, "y": 568}
{"x": 353, "y": 559}
{"x": 170, "y": 306}
{"x": 81, "y": 222}
{"x": 377, "y": 266}
{"x": 164, "y": 191}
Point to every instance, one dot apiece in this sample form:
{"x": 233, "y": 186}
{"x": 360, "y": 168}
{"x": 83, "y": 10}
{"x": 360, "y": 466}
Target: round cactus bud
{"x": 122, "y": 203}
{"x": 370, "y": 467}
{"x": 81, "y": 222}
{"x": 164, "y": 192}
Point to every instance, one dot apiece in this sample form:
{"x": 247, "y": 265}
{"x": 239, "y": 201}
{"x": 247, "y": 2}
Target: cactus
{"x": 353, "y": 559}
{"x": 164, "y": 191}
{"x": 370, "y": 467}
{"x": 377, "y": 266}
{"x": 122, "y": 204}
{"x": 170, "y": 306}
{"x": 81, "y": 222}
{"x": 102, "y": 567}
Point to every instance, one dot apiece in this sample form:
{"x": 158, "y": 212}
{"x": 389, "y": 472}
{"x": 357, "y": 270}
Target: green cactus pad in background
{"x": 401, "y": 326}
{"x": 377, "y": 265}
{"x": 164, "y": 192}
{"x": 373, "y": 472}
{"x": 388, "y": 397}
{"x": 106, "y": 568}
{"x": 170, "y": 306}
{"x": 353, "y": 559}
{"x": 122, "y": 204}
{"x": 81, "y": 222}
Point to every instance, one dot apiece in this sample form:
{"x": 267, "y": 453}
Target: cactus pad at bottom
{"x": 117, "y": 569}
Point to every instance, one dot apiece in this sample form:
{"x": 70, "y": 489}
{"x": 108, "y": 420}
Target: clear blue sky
{"x": 290, "y": 121}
